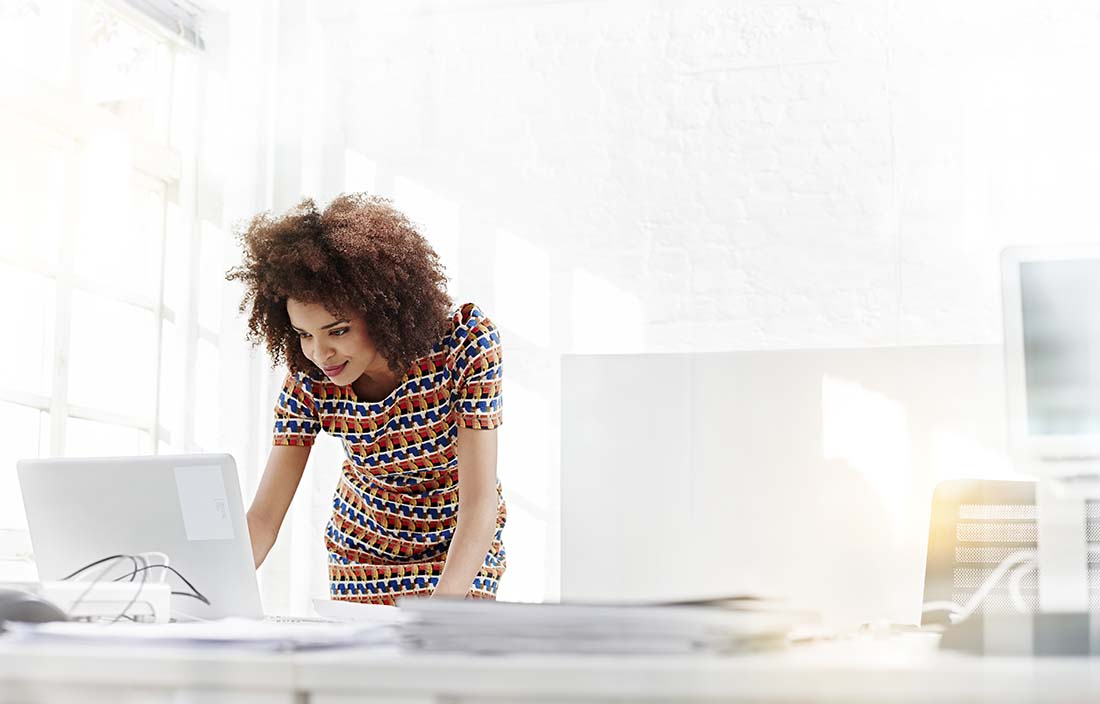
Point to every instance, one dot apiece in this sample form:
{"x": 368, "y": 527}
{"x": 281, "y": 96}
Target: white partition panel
{"x": 800, "y": 473}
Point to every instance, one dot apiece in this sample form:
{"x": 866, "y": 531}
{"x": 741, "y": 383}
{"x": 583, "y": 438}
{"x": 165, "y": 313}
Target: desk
{"x": 845, "y": 672}
{"x": 857, "y": 671}
{"x": 43, "y": 673}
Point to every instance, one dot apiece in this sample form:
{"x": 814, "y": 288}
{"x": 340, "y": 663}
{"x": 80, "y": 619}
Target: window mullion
{"x": 110, "y": 418}
{"x": 189, "y": 209}
{"x": 23, "y": 398}
{"x": 112, "y": 292}
{"x": 62, "y": 334}
{"x": 162, "y": 313}
{"x": 157, "y": 390}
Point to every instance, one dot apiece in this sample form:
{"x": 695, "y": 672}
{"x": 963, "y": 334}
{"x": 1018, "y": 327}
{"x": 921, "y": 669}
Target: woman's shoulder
{"x": 311, "y": 382}
{"x": 468, "y": 315}
{"x": 469, "y": 321}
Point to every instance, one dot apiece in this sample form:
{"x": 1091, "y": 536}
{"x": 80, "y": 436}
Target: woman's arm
{"x": 477, "y": 511}
{"x": 285, "y": 466}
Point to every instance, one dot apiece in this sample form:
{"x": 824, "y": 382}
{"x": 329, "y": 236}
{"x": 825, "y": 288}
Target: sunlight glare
{"x": 522, "y": 288}
{"x": 869, "y": 431}
{"x": 957, "y": 457}
{"x": 605, "y": 318}
{"x": 360, "y": 173}
{"x": 435, "y": 217}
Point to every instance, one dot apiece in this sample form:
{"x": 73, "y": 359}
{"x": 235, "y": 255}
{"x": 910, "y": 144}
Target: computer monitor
{"x": 1052, "y": 364}
{"x": 1052, "y": 358}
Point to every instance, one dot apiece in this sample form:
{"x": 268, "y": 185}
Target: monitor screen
{"x": 1060, "y": 306}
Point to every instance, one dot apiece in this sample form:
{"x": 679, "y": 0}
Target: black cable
{"x": 137, "y": 570}
{"x": 197, "y": 594}
{"x": 95, "y": 581}
{"x": 200, "y": 597}
{"x": 133, "y": 600}
{"x": 90, "y": 565}
{"x": 147, "y": 567}
{"x": 133, "y": 560}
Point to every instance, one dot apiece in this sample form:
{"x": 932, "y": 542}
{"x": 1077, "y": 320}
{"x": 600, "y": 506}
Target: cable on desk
{"x": 113, "y": 560}
{"x": 196, "y": 593}
{"x": 133, "y": 599}
{"x": 90, "y": 565}
{"x": 143, "y": 571}
{"x": 1020, "y": 562}
{"x": 1014, "y": 580}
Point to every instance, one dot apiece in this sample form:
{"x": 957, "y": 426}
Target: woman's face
{"x": 340, "y": 347}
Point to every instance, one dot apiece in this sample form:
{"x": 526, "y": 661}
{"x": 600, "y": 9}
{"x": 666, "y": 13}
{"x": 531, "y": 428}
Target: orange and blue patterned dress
{"x": 395, "y": 507}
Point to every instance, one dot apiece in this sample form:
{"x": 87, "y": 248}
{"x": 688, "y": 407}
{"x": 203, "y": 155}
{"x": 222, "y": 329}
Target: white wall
{"x": 663, "y": 177}
{"x": 671, "y": 176}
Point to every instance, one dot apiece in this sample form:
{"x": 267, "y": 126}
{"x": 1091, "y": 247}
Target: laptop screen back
{"x": 186, "y": 506}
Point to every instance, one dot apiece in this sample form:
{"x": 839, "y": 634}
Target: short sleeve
{"x": 296, "y": 421}
{"x": 478, "y": 368}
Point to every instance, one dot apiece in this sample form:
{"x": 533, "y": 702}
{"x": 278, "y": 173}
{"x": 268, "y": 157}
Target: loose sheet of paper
{"x": 353, "y": 612}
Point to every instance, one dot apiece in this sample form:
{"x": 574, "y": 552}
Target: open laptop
{"x": 188, "y": 507}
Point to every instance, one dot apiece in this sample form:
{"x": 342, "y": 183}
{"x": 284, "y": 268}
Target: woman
{"x": 354, "y": 301}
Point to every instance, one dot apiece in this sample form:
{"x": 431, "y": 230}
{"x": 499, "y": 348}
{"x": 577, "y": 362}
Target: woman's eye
{"x": 303, "y": 335}
{"x": 339, "y": 332}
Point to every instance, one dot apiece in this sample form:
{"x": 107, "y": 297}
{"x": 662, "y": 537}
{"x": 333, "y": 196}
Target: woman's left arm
{"x": 477, "y": 511}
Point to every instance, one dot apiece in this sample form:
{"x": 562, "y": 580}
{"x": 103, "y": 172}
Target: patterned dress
{"x": 396, "y": 504}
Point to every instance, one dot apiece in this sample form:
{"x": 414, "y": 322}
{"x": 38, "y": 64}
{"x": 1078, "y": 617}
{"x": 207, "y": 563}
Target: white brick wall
{"x": 714, "y": 175}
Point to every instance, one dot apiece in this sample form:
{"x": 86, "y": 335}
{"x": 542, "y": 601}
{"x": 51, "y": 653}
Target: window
{"x": 102, "y": 244}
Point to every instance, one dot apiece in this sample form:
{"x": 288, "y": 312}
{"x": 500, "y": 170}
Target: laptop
{"x": 189, "y": 507}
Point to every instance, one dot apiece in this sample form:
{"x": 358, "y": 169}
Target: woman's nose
{"x": 321, "y": 350}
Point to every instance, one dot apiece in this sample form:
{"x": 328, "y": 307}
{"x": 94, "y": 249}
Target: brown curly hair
{"x": 359, "y": 256}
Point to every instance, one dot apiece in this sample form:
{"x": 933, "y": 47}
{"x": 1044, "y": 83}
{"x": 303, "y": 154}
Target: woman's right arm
{"x": 285, "y": 466}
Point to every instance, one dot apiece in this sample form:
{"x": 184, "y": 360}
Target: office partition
{"x": 806, "y": 474}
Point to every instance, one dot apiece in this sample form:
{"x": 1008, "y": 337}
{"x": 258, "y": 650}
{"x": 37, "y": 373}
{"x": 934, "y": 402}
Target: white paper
{"x": 232, "y": 633}
{"x": 353, "y": 612}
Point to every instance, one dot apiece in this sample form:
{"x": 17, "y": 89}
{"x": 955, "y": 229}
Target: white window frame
{"x": 57, "y": 114}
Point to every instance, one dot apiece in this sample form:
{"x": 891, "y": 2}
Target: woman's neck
{"x": 375, "y": 385}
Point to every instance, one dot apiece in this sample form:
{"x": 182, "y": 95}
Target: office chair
{"x": 981, "y": 572}
{"x": 975, "y": 526}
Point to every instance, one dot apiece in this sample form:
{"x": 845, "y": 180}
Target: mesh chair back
{"x": 975, "y": 525}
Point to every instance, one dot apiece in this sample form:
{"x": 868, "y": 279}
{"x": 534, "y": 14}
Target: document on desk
{"x": 224, "y": 633}
{"x": 355, "y": 612}
{"x": 496, "y": 627}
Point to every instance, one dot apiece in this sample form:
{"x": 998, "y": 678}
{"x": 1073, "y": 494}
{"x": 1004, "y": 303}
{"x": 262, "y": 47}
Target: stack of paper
{"x": 497, "y": 627}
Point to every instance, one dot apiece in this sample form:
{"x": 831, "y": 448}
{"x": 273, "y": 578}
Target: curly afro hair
{"x": 359, "y": 256}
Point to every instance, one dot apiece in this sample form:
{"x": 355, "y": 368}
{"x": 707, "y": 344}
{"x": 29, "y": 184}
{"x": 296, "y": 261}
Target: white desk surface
{"x": 865, "y": 671}
{"x": 901, "y": 669}
{"x": 68, "y": 673}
